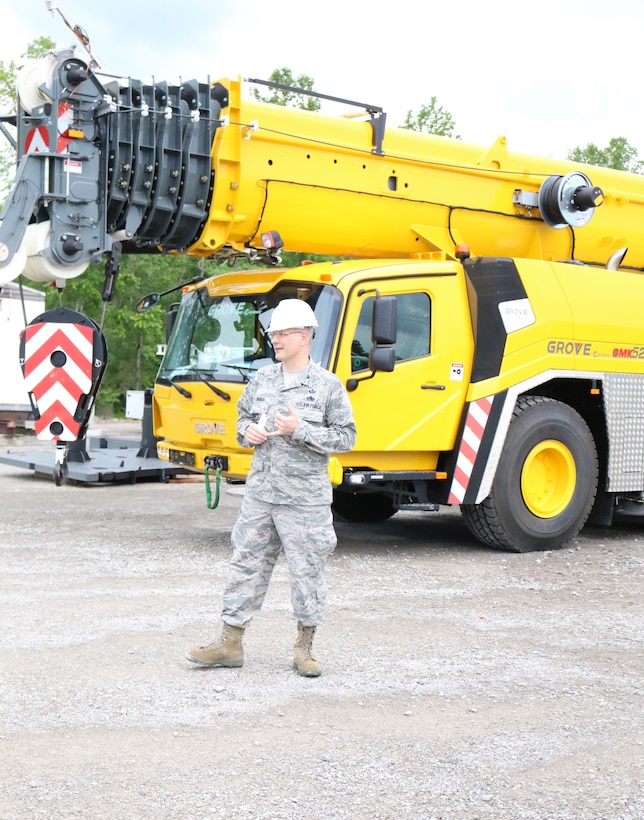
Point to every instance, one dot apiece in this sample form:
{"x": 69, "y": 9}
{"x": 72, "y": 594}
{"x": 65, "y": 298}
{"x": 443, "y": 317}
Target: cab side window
{"x": 413, "y": 318}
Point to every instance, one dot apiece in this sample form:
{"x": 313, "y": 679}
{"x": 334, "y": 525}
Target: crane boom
{"x": 194, "y": 168}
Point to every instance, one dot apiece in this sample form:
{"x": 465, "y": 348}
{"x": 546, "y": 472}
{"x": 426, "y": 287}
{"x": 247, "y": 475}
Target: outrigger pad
{"x": 63, "y": 355}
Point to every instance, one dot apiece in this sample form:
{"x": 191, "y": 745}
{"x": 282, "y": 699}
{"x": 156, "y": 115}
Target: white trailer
{"x": 16, "y": 311}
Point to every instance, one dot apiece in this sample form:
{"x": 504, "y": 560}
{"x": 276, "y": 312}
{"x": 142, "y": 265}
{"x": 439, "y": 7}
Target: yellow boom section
{"x": 136, "y": 167}
{"x": 320, "y": 182}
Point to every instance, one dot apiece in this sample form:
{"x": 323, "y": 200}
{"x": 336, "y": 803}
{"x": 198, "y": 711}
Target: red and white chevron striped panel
{"x": 58, "y": 373}
{"x": 37, "y": 139}
{"x": 477, "y": 418}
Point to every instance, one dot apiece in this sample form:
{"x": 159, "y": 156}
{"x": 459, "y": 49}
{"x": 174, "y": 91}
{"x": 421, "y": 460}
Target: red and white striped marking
{"x": 477, "y": 418}
{"x": 57, "y": 390}
{"x": 37, "y": 139}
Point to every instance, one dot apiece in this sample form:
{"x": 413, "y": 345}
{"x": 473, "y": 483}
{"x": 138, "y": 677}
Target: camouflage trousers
{"x": 306, "y": 534}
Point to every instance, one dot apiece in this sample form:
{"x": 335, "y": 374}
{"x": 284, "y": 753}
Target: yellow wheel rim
{"x": 548, "y": 479}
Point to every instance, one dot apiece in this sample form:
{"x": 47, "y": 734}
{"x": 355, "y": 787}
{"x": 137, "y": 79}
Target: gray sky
{"x": 549, "y": 75}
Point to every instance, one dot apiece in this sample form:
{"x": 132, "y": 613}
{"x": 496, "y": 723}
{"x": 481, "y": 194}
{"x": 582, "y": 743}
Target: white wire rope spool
{"x": 41, "y": 267}
{"x": 16, "y": 266}
{"x": 32, "y": 80}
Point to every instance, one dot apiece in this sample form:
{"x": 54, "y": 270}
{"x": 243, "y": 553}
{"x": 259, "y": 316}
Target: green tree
{"x": 618, "y": 154}
{"x": 132, "y": 338}
{"x": 432, "y": 118}
{"x": 8, "y": 73}
{"x": 283, "y": 96}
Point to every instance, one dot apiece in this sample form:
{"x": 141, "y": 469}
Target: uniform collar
{"x": 306, "y": 373}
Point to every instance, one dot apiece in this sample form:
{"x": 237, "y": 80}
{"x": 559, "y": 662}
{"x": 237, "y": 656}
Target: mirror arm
{"x": 352, "y": 384}
{"x": 152, "y": 299}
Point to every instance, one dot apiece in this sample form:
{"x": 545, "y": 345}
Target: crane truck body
{"x": 493, "y": 384}
{"x": 487, "y": 325}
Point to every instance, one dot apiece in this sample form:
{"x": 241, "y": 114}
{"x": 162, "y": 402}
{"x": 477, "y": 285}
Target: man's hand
{"x": 285, "y": 425}
{"x": 255, "y": 435}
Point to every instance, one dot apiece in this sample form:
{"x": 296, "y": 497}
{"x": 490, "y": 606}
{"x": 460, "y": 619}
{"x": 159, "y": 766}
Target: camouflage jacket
{"x": 294, "y": 469}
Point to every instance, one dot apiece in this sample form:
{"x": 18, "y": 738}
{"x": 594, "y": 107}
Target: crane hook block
{"x": 63, "y": 355}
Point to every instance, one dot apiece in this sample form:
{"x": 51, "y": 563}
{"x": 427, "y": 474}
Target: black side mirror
{"x": 383, "y": 334}
{"x": 382, "y": 359}
{"x": 147, "y": 302}
{"x": 383, "y": 322}
{"x": 382, "y": 356}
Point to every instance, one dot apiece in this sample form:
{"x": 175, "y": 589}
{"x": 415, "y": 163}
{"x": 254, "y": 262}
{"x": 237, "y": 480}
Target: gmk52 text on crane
{"x": 486, "y": 318}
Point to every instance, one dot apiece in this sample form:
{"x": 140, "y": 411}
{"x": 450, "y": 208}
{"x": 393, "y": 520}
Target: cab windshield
{"x": 225, "y": 338}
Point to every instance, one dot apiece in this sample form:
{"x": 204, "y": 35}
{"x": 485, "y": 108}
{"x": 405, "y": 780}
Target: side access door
{"x": 407, "y": 417}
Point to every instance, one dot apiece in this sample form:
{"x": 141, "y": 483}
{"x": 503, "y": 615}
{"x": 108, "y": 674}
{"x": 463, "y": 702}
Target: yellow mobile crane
{"x": 487, "y": 324}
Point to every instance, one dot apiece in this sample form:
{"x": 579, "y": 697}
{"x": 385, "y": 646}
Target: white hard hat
{"x": 292, "y": 313}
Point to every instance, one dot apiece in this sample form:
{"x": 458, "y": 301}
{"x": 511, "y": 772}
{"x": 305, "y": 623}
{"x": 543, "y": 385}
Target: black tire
{"x": 60, "y": 473}
{"x": 362, "y": 508}
{"x": 545, "y": 482}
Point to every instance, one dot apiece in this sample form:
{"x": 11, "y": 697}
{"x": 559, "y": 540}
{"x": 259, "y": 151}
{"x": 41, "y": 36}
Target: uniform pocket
{"x": 311, "y": 415}
{"x": 303, "y": 469}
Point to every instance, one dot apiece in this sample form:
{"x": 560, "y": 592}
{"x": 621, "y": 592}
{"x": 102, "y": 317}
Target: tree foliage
{"x": 283, "y": 96}
{"x": 618, "y": 154}
{"x": 432, "y": 118}
{"x": 132, "y": 338}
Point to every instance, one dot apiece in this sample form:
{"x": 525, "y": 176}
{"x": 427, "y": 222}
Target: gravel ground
{"x": 459, "y": 682}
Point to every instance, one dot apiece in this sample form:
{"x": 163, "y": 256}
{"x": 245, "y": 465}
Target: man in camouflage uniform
{"x": 295, "y": 414}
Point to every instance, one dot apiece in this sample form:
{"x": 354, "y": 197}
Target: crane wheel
{"x": 60, "y": 473}
{"x": 545, "y": 482}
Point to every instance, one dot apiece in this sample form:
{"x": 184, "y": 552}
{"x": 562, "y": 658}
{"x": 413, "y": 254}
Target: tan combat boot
{"x": 303, "y": 659}
{"x": 227, "y": 651}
